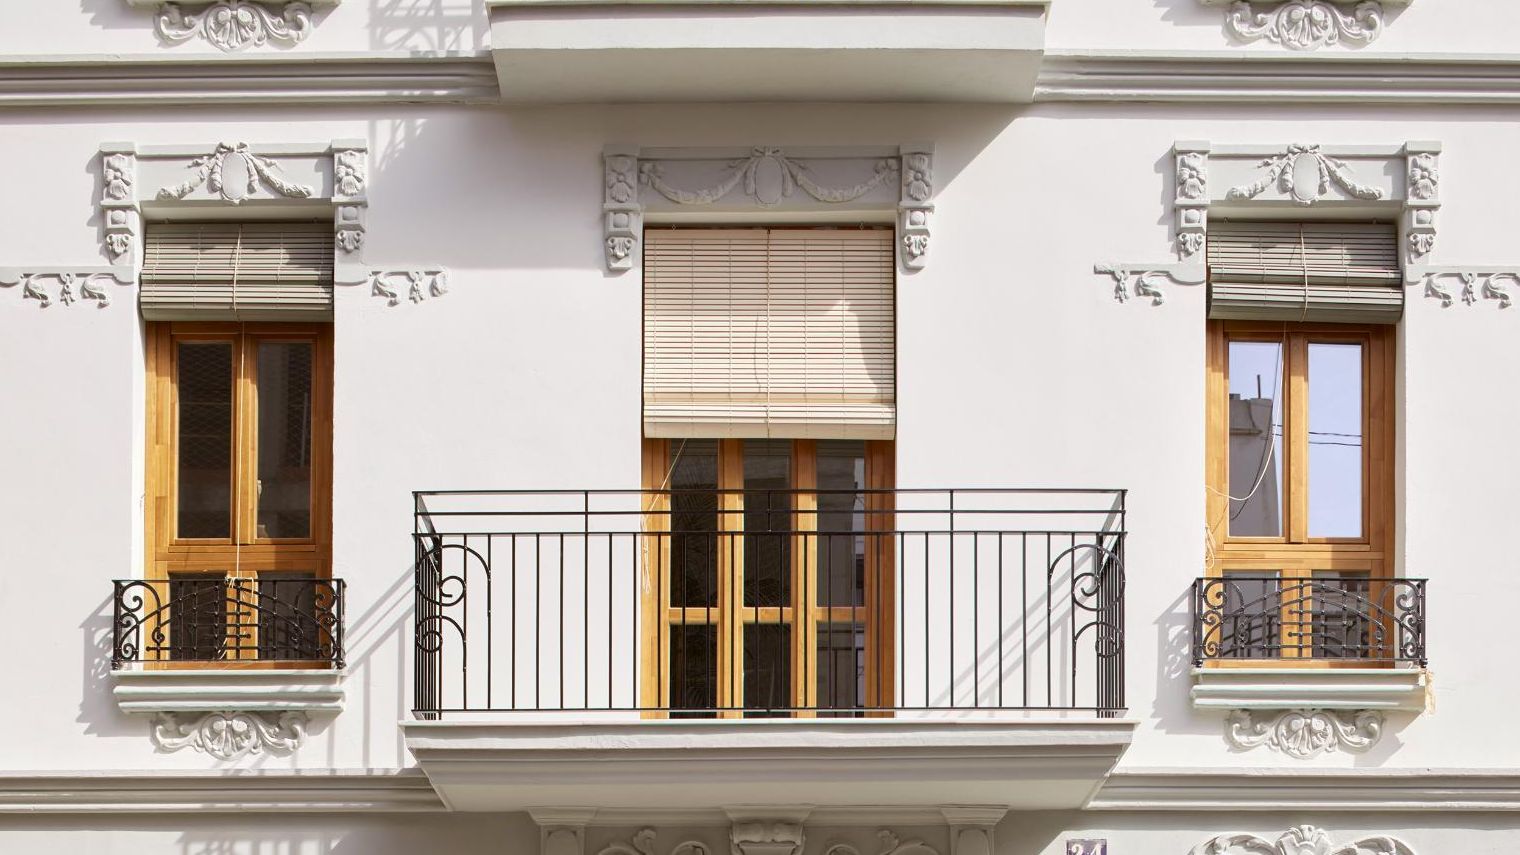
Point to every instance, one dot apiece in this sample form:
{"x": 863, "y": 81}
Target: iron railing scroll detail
{"x": 1243, "y": 617}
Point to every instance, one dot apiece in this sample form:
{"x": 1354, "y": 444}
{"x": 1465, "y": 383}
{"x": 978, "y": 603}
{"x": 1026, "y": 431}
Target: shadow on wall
{"x": 1172, "y": 707}
{"x": 378, "y": 638}
{"x": 428, "y": 25}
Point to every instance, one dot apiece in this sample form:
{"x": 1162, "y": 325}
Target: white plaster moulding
{"x": 215, "y": 690}
{"x": 1296, "y": 180}
{"x": 154, "y": 4}
{"x": 763, "y": 184}
{"x": 1305, "y": 25}
{"x": 115, "y": 80}
{"x": 1309, "y": 789}
{"x": 655, "y": 4}
{"x": 67, "y": 286}
{"x": 235, "y": 179}
{"x": 1389, "y": 689}
{"x": 820, "y": 816}
{"x": 250, "y": 790}
{"x": 1124, "y": 76}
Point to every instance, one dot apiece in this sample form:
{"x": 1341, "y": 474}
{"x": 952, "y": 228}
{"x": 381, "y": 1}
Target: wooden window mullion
{"x": 730, "y": 541}
{"x": 805, "y": 577}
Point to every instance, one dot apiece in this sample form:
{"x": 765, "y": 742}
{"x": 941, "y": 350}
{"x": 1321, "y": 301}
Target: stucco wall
{"x": 1016, "y": 367}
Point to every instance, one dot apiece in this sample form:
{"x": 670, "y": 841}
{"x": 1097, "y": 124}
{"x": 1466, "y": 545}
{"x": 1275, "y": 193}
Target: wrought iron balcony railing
{"x": 1248, "y": 617}
{"x": 217, "y": 619}
{"x": 769, "y": 603}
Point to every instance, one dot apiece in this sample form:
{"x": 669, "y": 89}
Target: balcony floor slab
{"x": 1023, "y": 763}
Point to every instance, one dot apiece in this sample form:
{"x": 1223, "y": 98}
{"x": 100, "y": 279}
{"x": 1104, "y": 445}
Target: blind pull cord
{"x": 1303, "y": 258}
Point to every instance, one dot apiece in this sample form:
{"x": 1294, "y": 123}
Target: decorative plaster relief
{"x": 1476, "y": 285}
{"x": 232, "y": 25}
{"x": 1147, "y": 282}
{"x": 643, "y": 844}
{"x": 65, "y": 286}
{"x": 1304, "y": 173}
{"x": 1305, "y": 24}
{"x": 891, "y": 844}
{"x": 233, "y": 172}
{"x": 1300, "y": 840}
{"x": 419, "y": 284}
{"x": 766, "y": 838}
{"x": 1302, "y": 734}
{"x": 888, "y": 181}
{"x": 230, "y": 735}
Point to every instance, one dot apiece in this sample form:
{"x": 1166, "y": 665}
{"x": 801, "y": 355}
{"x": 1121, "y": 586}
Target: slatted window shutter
{"x": 1287, "y": 271}
{"x": 238, "y": 272}
{"x": 786, "y": 333}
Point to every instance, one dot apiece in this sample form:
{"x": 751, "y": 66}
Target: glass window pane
{"x": 1250, "y": 610}
{"x": 284, "y": 440}
{"x": 1256, "y": 434}
{"x": 841, "y": 523}
{"x": 767, "y": 669}
{"x": 197, "y": 616}
{"x": 841, "y": 668}
{"x": 693, "y": 540}
{"x": 1335, "y": 440}
{"x": 767, "y": 522}
{"x": 204, "y": 386}
{"x": 693, "y": 670}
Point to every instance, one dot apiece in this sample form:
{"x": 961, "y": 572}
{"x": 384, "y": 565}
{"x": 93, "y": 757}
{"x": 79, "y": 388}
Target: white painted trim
{"x": 1307, "y": 789}
{"x": 1400, "y": 689}
{"x": 154, "y": 4}
{"x": 655, "y": 4}
{"x": 337, "y": 790}
{"x": 1123, "y": 76}
{"x": 245, "y": 690}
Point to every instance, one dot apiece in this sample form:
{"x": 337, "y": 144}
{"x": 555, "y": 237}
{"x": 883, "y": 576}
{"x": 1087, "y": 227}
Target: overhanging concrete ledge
{"x": 1025, "y": 763}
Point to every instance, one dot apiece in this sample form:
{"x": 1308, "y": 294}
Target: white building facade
{"x": 995, "y": 427}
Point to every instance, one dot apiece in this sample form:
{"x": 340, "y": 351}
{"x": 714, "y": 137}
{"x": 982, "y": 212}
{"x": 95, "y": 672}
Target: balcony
{"x": 209, "y": 644}
{"x": 973, "y": 636}
{"x": 1269, "y": 642}
{"x": 777, "y": 50}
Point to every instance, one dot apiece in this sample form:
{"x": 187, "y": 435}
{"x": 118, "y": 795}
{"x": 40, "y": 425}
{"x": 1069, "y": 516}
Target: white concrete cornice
{"x": 1299, "y": 789}
{"x": 213, "y": 690}
{"x": 1398, "y": 689}
{"x": 1278, "y": 78}
{"x": 336, "y": 790}
{"x": 118, "y": 80}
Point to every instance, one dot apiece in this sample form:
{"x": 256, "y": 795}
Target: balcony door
{"x": 768, "y": 577}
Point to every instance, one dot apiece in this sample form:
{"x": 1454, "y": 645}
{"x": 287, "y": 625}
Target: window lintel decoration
{"x": 871, "y": 181}
{"x": 233, "y": 25}
{"x": 1304, "y": 181}
{"x": 266, "y": 181}
{"x": 1305, "y": 25}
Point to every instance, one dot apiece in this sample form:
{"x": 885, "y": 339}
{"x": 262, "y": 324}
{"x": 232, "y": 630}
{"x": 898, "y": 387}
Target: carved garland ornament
{"x": 418, "y": 284}
{"x": 1306, "y": 24}
{"x": 232, "y": 25}
{"x": 1302, "y": 734}
{"x": 643, "y": 844}
{"x": 1305, "y": 174}
{"x": 234, "y": 173}
{"x": 1300, "y": 840}
{"x": 767, "y": 177}
{"x": 891, "y": 844}
{"x": 231, "y": 735}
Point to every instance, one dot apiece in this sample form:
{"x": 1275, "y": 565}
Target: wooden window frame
{"x": 243, "y": 556}
{"x": 730, "y": 614}
{"x": 1296, "y": 556}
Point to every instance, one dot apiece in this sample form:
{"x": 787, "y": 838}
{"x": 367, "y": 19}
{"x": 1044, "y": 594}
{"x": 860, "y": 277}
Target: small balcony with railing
{"x": 204, "y": 643}
{"x": 1330, "y": 641}
{"x": 833, "y": 638}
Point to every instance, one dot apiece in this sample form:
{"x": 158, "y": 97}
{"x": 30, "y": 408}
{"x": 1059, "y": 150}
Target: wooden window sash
{"x": 1296, "y": 556}
{"x": 242, "y": 557}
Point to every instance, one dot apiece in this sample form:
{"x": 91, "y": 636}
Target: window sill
{"x": 246, "y": 690}
{"x": 1397, "y": 689}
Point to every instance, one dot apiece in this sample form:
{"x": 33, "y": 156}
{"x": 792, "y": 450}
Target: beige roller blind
{"x": 1285, "y": 271}
{"x": 769, "y": 332}
{"x": 238, "y": 271}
